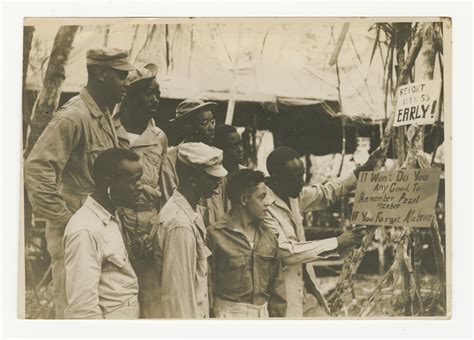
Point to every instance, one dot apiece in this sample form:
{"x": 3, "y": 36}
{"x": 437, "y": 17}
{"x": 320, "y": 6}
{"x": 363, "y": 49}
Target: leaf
{"x": 376, "y": 41}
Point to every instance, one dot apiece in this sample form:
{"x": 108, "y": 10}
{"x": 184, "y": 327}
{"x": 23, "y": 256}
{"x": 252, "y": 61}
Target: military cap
{"x": 202, "y": 157}
{"x": 190, "y": 105}
{"x": 146, "y": 72}
{"x": 111, "y": 57}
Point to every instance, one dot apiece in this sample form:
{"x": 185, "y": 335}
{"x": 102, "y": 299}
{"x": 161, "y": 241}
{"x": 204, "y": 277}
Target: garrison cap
{"x": 111, "y": 57}
{"x": 202, "y": 157}
{"x": 141, "y": 73}
{"x": 190, "y": 105}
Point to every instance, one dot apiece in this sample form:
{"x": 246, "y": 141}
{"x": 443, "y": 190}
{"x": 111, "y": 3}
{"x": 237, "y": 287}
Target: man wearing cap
{"x": 58, "y": 171}
{"x": 197, "y": 120}
{"x": 136, "y": 131}
{"x": 179, "y": 235}
{"x": 287, "y": 198}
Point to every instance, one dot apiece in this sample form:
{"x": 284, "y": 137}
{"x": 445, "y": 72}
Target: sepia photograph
{"x": 236, "y": 168}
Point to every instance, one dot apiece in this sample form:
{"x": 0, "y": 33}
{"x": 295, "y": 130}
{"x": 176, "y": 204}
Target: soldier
{"x": 198, "y": 123}
{"x": 179, "y": 234}
{"x": 136, "y": 131}
{"x": 287, "y": 198}
{"x": 58, "y": 172}
{"x": 244, "y": 264}
{"x": 100, "y": 280}
{"x": 230, "y": 142}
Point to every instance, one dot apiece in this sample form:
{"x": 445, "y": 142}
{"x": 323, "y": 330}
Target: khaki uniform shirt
{"x": 58, "y": 171}
{"x": 99, "y": 277}
{"x": 181, "y": 260}
{"x": 243, "y": 270}
{"x": 295, "y": 252}
{"x": 151, "y": 146}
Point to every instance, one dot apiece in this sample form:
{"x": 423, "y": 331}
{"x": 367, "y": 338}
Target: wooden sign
{"x": 396, "y": 198}
{"x": 417, "y": 103}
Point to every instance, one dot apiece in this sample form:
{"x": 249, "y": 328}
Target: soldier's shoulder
{"x": 171, "y": 216}
{"x": 217, "y": 226}
{"x": 83, "y": 220}
{"x": 74, "y": 109}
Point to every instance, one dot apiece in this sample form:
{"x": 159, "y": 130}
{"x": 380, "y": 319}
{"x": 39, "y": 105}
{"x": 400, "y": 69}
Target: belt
{"x": 255, "y": 310}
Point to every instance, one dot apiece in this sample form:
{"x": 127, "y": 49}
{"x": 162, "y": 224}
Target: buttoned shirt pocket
{"x": 267, "y": 269}
{"x": 232, "y": 270}
{"x": 119, "y": 272}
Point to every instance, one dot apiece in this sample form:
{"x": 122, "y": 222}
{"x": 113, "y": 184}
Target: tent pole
{"x": 167, "y": 48}
{"x": 231, "y": 105}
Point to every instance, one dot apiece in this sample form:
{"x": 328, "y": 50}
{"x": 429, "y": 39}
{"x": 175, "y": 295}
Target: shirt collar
{"x": 148, "y": 137}
{"x": 102, "y": 213}
{"x": 183, "y": 203}
{"x": 273, "y": 198}
{"x": 91, "y": 104}
{"x": 227, "y": 223}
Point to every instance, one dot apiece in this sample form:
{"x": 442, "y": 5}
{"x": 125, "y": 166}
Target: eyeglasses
{"x": 206, "y": 122}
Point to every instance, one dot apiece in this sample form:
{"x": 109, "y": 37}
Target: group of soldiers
{"x": 137, "y": 229}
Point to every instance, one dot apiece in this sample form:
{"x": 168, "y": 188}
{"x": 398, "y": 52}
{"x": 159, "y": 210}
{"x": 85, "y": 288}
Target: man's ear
{"x": 100, "y": 73}
{"x": 243, "y": 200}
{"x": 108, "y": 182}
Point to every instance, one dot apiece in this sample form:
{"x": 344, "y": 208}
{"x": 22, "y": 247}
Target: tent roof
{"x": 288, "y": 60}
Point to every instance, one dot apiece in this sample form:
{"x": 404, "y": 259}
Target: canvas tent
{"x": 252, "y": 60}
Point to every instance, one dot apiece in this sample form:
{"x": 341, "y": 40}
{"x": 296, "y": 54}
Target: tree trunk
{"x": 48, "y": 98}
{"x": 28, "y": 32}
{"x": 431, "y": 44}
{"x": 354, "y": 259}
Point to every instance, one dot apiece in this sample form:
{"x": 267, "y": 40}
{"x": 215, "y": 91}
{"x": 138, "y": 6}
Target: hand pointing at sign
{"x": 377, "y": 155}
{"x": 350, "y": 238}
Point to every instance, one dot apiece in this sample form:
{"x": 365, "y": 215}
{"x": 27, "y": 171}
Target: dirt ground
{"x": 40, "y": 306}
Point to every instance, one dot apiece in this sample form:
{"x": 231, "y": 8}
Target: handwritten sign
{"x": 396, "y": 198}
{"x": 417, "y": 103}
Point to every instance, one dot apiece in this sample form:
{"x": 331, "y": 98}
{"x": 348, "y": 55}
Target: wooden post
{"x": 231, "y": 104}
{"x": 48, "y": 98}
{"x": 106, "y": 35}
{"x": 167, "y": 48}
{"x": 28, "y": 32}
{"x": 339, "y": 43}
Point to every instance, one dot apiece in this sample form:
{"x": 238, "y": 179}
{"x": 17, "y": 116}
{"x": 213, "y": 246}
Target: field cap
{"x": 202, "y": 157}
{"x": 190, "y": 105}
{"x": 111, "y": 57}
{"x": 141, "y": 73}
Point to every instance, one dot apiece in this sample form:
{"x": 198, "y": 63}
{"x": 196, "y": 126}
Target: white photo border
{"x": 12, "y": 32}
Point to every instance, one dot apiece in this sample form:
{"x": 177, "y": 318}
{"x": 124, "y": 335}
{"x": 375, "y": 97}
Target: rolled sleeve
{"x": 304, "y": 252}
{"x": 83, "y": 270}
{"x": 320, "y": 196}
{"x": 293, "y": 252}
{"x": 44, "y": 167}
{"x": 179, "y": 270}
